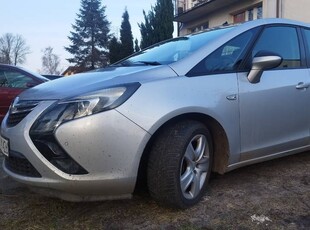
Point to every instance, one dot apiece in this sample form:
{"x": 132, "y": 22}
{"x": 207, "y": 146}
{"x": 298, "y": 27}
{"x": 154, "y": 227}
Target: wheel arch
{"x": 219, "y": 139}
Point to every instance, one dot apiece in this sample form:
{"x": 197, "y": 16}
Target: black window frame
{"x": 303, "y": 62}
{"x": 306, "y": 45}
{"x": 256, "y": 30}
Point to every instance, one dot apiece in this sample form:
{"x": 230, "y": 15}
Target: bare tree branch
{"x": 6, "y": 42}
{"x": 50, "y": 62}
{"x": 13, "y": 49}
{"x": 20, "y": 50}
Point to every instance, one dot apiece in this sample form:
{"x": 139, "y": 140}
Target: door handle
{"x": 302, "y": 85}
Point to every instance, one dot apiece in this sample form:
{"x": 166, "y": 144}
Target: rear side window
{"x": 282, "y": 41}
{"x": 226, "y": 58}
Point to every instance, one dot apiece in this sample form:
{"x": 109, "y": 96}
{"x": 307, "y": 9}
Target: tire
{"x": 181, "y": 152}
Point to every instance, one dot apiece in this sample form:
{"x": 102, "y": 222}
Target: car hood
{"x": 78, "y": 84}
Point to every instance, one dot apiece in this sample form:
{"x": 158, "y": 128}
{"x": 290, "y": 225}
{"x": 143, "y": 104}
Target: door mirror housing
{"x": 262, "y": 61}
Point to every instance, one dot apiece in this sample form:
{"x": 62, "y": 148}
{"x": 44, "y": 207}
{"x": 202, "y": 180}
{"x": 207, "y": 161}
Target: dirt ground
{"x": 270, "y": 195}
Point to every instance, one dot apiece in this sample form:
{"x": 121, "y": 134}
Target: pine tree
{"x": 123, "y": 48}
{"x": 90, "y": 37}
{"x": 137, "y": 47}
{"x": 147, "y": 30}
{"x": 164, "y": 14}
{"x": 158, "y": 25}
{"x": 115, "y": 48}
{"x": 126, "y": 36}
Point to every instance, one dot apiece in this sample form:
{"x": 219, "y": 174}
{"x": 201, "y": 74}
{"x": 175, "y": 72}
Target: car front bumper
{"x": 107, "y": 145}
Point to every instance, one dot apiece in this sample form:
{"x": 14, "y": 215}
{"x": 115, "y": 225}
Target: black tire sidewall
{"x": 192, "y": 132}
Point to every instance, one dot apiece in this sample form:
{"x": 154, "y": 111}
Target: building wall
{"x": 185, "y": 4}
{"x": 219, "y": 17}
{"x": 296, "y": 10}
{"x": 291, "y": 9}
{"x": 270, "y": 8}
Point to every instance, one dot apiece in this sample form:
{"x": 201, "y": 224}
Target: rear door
{"x": 274, "y": 113}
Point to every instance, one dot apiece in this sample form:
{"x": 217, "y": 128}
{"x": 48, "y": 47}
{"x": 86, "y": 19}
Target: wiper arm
{"x": 128, "y": 63}
{"x": 150, "y": 62}
{"x": 123, "y": 63}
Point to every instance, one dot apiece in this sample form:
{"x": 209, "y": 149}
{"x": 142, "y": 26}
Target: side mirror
{"x": 263, "y": 60}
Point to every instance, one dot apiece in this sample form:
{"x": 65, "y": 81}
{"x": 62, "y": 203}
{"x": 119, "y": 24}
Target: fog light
{"x": 56, "y": 155}
{"x": 68, "y": 166}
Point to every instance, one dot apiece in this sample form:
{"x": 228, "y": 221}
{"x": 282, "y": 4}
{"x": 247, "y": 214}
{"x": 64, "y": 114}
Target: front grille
{"x": 19, "y": 110}
{"x": 21, "y": 166}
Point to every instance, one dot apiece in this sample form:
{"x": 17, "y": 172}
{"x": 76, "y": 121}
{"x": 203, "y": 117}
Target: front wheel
{"x": 180, "y": 164}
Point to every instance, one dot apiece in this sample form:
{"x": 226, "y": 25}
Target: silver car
{"x": 168, "y": 115}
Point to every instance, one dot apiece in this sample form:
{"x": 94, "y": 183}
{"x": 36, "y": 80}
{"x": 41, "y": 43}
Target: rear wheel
{"x": 180, "y": 164}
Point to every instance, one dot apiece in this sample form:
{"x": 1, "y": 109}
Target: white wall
{"x": 270, "y": 8}
{"x": 296, "y": 10}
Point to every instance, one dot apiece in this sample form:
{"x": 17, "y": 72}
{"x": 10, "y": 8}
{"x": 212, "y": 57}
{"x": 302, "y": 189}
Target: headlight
{"x": 81, "y": 106}
{"x": 42, "y": 131}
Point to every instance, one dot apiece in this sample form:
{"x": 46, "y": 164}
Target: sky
{"x": 45, "y": 23}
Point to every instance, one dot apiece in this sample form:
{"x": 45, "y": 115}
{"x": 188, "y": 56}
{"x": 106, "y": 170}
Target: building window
{"x": 205, "y": 26}
{"x": 238, "y": 18}
{"x": 193, "y": 30}
{"x": 250, "y": 14}
{"x": 200, "y": 27}
{"x": 259, "y": 12}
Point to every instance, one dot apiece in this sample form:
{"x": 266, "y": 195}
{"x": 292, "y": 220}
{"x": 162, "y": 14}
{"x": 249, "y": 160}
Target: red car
{"x": 13, "y": 80}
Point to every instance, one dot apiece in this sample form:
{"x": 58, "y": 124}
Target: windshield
{"x": 172, "y": 50}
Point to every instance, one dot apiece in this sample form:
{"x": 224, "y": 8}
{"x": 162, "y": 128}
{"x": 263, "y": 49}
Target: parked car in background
{"x": 13, "y": 80}
{"x": 172, "y": 113}
{"x": 51, "y": 76}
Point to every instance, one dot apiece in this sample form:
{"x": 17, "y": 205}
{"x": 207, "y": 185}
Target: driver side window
{"x": 11, "y": 79}
{"x": 282, "y": 41}
{"x": 3, "y": 80}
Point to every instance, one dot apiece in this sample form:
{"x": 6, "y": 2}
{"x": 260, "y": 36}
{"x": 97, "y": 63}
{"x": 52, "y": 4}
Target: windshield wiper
{"x": 123, "y": 63}
{"x": 128, "y": 63}
{"x": 149, "y": 62}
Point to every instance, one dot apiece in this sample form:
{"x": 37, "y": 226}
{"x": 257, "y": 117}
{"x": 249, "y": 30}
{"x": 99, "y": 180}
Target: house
{"x": 73, "y": 70}
{"x": 197, "y": 15}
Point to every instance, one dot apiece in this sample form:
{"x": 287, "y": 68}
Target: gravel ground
{"x": 270, "y": 195}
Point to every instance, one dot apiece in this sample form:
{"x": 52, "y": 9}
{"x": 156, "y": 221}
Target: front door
{"x": 274, "y": 113}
